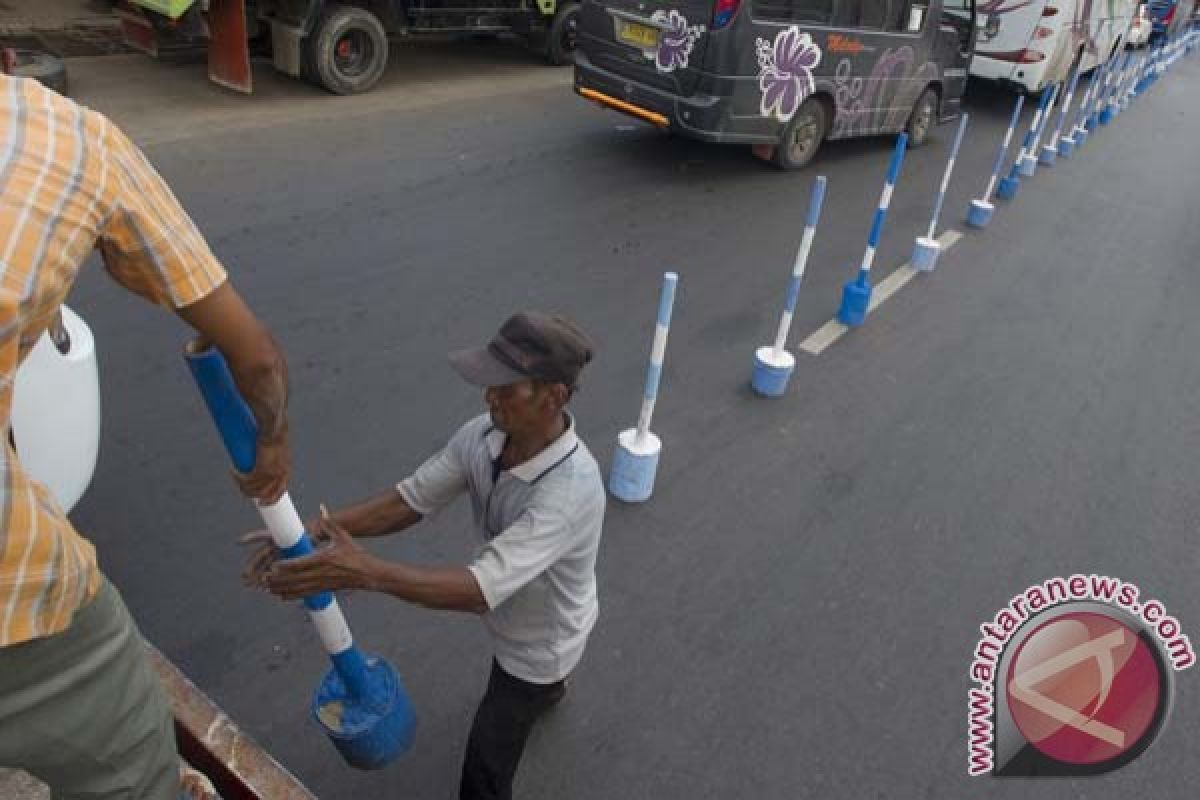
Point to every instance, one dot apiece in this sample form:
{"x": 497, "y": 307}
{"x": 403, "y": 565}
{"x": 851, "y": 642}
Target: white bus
{"x": 1031, "y": 44}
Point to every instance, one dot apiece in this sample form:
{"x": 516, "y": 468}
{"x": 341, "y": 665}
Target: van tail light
{"x": 1049, "y": 11}
{"x": 1028, "y": 56}
{"x": 723, "y": 12}
{"x": 1042, "y": 33}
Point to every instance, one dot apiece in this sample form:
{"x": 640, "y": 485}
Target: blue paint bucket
{"x": 1066, "y": 145}
{"x": 856, "y": 299}
{"x": 1106, "y": 116}
{"x": 635, "y": 463}
{"x": 925, "y": 254}
{"x": 980, "y": 213}
{"x": 1048, "y": 155}
{"x": 771, "y": 374}
{"x": 1028, "y": 166}
{"x": 369, "y": 732}
{"x": 1008, "y": 186}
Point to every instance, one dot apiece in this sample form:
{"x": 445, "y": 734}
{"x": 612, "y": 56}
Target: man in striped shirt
{"x": 79, "y": 705}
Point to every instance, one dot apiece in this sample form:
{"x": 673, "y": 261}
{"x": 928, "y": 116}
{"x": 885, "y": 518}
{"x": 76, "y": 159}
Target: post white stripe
{"x": 332, "y": 628}
{"x": 946, "y": 177}
{"x": 868, "y": 258}
{"x": 886, "y": 198}
{"x": 659, "y": 351}
{"x": 283, "y": 522}
{"x": 802, "y": 254}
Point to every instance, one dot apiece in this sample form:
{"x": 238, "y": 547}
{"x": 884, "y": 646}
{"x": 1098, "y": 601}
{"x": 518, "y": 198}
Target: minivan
{"x": 779, "y": 75}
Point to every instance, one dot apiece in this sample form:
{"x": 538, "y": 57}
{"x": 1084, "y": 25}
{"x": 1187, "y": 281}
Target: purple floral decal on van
{"x": 675, "y": 42}
{"x": 785, "y": 72}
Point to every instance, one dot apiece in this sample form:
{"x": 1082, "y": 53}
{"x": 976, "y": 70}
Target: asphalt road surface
{"x": 794, "y": 612}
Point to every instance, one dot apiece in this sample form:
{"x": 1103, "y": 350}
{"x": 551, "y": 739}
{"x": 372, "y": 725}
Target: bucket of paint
{"x": 856, "y": 298}
{"x": 771, "y": 374}
{"x": 370, "y": 731}
{"x": 1008, "y": 186}
{"x": 635, "y": 463}
{"x": 1027, "y": 167}
{"x": 1065, "y": 146}
{"x": 980, "y": 213}
{"x": 925, "y": 254}
{"x": 1049, "y": 154}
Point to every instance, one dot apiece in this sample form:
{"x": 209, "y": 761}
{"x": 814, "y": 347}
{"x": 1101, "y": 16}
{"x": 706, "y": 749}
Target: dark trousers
{"x": 502, "y": 725}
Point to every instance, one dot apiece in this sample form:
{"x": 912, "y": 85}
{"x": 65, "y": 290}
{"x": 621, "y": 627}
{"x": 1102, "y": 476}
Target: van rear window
{"x": 814, "y": 12}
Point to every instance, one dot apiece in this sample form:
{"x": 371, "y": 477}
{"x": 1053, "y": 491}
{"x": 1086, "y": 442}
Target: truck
{"x": 339, "y": 46}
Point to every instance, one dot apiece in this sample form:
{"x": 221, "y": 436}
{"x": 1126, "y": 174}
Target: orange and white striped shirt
{"x": 70, "y": 182}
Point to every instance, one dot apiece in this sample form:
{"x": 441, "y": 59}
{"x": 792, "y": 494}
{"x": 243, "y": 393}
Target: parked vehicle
{"x": 1169, "y": 16}
{"x": 1140, "y": 29}
{"x": 1032, "y": 44}
{"x": 342, "y": 47}
{"x": 780, "y": 75}
{"x": 55, "y": 418}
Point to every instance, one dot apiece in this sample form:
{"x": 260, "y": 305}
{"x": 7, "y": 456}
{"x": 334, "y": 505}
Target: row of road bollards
{"x": 1112, "y": 86}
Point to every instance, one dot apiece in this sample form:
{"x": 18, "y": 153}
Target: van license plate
{"x": 642, "y": 37}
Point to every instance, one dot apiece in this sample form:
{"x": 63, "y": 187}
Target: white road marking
{"x": 833, "y": 330}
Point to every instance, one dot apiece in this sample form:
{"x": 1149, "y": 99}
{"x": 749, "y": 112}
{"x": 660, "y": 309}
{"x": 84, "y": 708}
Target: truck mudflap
{"x": 228, "y": 47}
{"x": 156, "y": 27}
{"x": 213, "y": 743}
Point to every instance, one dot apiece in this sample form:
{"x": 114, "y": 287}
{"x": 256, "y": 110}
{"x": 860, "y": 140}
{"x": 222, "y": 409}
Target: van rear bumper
{"x": 702, "y": 117}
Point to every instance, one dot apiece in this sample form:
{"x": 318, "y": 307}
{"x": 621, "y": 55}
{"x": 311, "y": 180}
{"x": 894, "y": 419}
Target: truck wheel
{"x": 802, "y": 136}
{"x": 347, "y": 51}
{"x": 563, "y": 35}
{"x": 920, "y": 122}
{"x": 43, "y": 67}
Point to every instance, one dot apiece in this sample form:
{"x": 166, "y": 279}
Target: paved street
{"x": 794, "y": 612}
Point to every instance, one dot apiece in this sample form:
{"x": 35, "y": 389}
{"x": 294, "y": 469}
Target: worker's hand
{"x": 340, "y": 564}
{"x": 264, "y": 553}
{"x": 269, "y": 479}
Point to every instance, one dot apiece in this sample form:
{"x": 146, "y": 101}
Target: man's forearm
{"x": 441, "y": 588}
{"x": 263, "y": 382}
{"x": 383, "y": 514}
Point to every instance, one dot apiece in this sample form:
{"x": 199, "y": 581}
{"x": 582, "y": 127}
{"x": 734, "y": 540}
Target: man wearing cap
{"x": 538, "y": 503}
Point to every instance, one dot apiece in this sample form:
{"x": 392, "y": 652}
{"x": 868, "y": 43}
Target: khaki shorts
{"x": 83, "y": 710}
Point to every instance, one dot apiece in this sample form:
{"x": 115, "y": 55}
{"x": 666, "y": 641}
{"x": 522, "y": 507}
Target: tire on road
{"x": 923, "y": 117}
{"x": 347, "y": 51}
{"x": 44, "y": 67}
{"x": 563, "y": 35}
{"x": 802, "y": 136}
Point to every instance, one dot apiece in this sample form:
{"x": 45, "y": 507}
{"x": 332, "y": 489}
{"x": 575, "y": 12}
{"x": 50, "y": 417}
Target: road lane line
{"x": 833, "y": 330}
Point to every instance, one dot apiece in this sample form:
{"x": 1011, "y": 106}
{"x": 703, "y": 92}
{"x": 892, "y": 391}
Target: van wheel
{"x": 347, "y": 52}
{"x": 802, "y": 136}
{"x": 563, "y": 35}
{"x": 924, "y": 114}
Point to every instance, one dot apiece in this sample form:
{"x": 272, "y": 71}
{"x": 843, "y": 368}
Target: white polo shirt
{"x": 539, "y": 526}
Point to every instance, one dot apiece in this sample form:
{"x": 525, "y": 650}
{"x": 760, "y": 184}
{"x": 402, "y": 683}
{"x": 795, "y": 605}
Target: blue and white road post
{"x": 856, "y": 295}
{"x": 926, "y": 249}
{"x": 979, "y": 214}
{"x": 1050, "y": 149}
{"x": 1007, "y": 189}
{"x": 1029, "y": 165}
{"x": 773, "y": 365}
{"x": 361, "y": 703}
{"x": 1131, "y": 82}
{"x": 635, "y": 461}
{"x": 1093, "y": 117}
{"x": 1107, "y": 112}
{"x": 1074, "y": 136}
